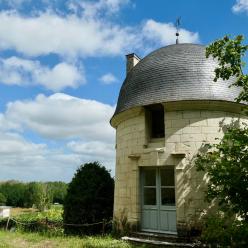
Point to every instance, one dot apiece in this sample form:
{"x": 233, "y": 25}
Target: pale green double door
{"x": 158, "y": 210}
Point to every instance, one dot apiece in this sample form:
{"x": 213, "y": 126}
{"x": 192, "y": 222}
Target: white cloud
{"x": 6, "y": 124}
{"x": 17, "y": 71}
{"x": 164, "y": 33}
{"x": 12, "y": 143}
{"x": 108, "y": 78}
{"x": 93, "y": 148}
{"x": 240, "y": 6}
{"x": 74, "y": 126}
{"x": 96, "y": 8}
{"x": 25, "y": 160}
{"x": 72, "y": 35}
{"x": 61, "y": 76}
{"x": 63, "y": 35}
{"x": 61, "y": 116}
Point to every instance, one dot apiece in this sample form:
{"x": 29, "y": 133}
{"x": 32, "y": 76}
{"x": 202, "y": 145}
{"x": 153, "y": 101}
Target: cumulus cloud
{"x": 93, "y": 148}
{"x": 68, "y": 35}
{"x": 164, "y": 33}
{"x": 15, "y": 145}
{"x": 17, "y": 71}
{"x": 61, "y": 116}
{"x": 108, "y": 78}
{"x": 25, "y": 160}
{"x": 81, "y": 36}
{"x": 240, "y": 6}
{"x": 73, "y": 125}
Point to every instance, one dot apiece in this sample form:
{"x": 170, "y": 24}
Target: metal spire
{"x": 178, "y": 23}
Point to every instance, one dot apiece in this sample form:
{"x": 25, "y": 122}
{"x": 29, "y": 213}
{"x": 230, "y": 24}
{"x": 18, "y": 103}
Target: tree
{"x": 229, "y": 53}
{"x": 58, "y": 190}
{"x": 2, "y": 199}
{"x": 227, "y": 166}
{"x": 14, "y": 192}
{"x": 227, "y": 162}
{"x": 38, "y": 195}
{"x": 89, "y": 198}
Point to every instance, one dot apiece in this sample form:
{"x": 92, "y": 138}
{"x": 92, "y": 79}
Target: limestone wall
{"x": 185, "y": 132}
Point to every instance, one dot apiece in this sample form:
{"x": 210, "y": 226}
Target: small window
{"x": 155, "y": 121}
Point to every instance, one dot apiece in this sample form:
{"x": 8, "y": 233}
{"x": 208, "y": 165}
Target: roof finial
{"x": 178, "y": 23}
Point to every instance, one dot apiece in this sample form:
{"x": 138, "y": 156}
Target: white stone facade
{"x": 188, "y": 125}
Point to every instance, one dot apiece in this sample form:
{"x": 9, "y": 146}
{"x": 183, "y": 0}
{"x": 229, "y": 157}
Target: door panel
{"x": 158, "y": 199}
{"x": 167, "y": 220}
{"x": 150, "y": 218}
{"x": 164, "y": 224}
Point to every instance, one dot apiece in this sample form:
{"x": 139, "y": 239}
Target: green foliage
{"x": 54, "y": 214}
{"x": 226, "y": 163}
{"x": 229, "y": 53}
{"x": 58, "y": 191}
{"x": 89, "y": 198}
{"x": 19, "y": 194}
{"x": 227, "y": 166}
{"x": 222, "y": 230}
{"x": 14, "y": 192}
{"x": 49, "y": 221}
{"x": 3, "y": 199}
{"x": 38, "y": 195}
{"x": 42, "y": 196}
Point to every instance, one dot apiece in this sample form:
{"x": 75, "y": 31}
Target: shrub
{"x": 89, "y": 199}
{"x": 2, "y": 199}
{"x": 49, "y": 222}
{"x": 222, "y": 230}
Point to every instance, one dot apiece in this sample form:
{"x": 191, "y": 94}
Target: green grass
{"x": 28, "y": 240}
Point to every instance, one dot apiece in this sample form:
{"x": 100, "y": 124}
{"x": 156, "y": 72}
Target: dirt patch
{"x": 45, "y": 244}
{"x": 17, "y": 243}
{"x": 18, "y": 211}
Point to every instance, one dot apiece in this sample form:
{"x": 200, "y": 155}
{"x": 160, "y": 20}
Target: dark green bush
{"x": 3, "y": 199}
{"x": 221, "y": 230}
{"x": 89, "y": 199}
{"x": 14, "y": 192}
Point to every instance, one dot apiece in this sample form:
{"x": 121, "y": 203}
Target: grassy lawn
{"x": 26, "y": 240}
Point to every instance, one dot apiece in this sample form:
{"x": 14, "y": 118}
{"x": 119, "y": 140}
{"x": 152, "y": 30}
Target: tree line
{"x": 33, "y": 194}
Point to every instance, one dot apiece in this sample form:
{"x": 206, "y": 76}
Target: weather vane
{"x": 178, "y": 23}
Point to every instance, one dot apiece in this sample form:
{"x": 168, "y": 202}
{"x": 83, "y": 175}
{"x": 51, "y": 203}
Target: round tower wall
{"x": 185, "y": 133}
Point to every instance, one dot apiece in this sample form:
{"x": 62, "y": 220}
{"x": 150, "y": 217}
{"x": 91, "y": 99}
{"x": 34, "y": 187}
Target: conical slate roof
{"x": 174, "y": 73}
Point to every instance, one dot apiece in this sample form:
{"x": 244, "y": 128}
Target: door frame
{"x": 158, "y": 205}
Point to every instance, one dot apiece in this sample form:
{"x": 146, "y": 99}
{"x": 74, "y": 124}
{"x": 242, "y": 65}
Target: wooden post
{"x": 103, "y": 226}
{"x": 46, "y": 224}
{"x": 7, "y": 225}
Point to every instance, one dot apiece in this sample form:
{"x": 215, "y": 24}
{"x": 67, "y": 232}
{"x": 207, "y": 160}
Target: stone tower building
{"x": 168, "y": 107}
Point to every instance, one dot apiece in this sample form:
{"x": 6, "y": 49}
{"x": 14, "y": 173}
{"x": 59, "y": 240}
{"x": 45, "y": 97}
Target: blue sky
{"x": 62, "y": 63}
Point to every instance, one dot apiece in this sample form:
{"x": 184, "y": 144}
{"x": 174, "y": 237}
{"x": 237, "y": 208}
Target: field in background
{"x": 18, "y": 211}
